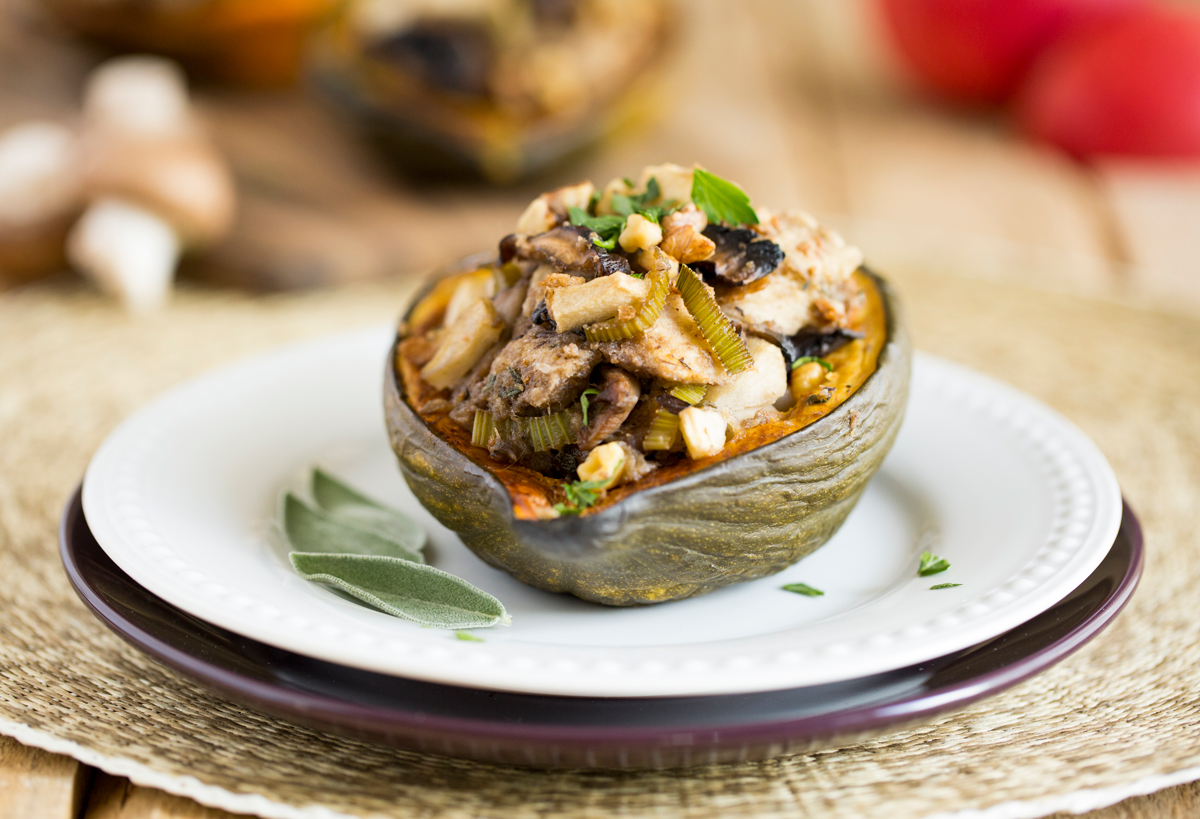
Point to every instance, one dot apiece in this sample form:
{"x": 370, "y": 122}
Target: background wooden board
{"x": 795, "y": 99}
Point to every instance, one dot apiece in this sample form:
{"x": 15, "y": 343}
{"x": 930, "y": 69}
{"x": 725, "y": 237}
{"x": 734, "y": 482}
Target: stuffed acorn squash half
{"x": 653, "y": 390}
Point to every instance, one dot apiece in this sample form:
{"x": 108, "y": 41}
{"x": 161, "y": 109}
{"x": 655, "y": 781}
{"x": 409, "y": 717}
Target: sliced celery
{"x": 647, "y": 313}
{"x": 691, "y": 393}
{"x": 481, "y": 430}
{"x": 663, "y": 432}
{"x": 714, "y": 325}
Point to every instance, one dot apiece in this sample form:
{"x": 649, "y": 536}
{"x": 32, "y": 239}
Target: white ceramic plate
{"x": 182, "y": 497}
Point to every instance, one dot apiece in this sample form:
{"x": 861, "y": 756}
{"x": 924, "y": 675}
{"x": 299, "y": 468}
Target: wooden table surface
{"x": 794, "y": 99}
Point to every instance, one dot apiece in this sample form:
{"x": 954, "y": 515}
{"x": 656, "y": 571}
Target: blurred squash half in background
{"x": 495, "y": 89}
{"x": 245, "y": 42}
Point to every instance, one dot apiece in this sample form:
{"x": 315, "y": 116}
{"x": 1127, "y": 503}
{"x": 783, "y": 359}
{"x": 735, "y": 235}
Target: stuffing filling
{"x": 626, "y": 335}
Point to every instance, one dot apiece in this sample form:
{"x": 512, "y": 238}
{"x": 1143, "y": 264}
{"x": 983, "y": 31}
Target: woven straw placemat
{"x": 1119, "y": 717}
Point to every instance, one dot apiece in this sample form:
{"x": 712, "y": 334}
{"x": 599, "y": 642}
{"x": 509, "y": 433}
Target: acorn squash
{"x": 678, "y": 533}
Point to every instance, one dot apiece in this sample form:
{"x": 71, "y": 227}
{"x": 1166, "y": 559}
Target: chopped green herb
{"x": 580, "y": 495}
{"x": 930, "y": 564}
{"x": 803, "y": 588}
{"x": 945, "y": 586}
{"x": 653, "y": 191}
{"x": 805, "y": 359}
{"x": 470, "y": 638}
{"x": 491, "y": 382}
{"x": 600, "y": 224}
{"x": 721, "y": 200}
{"x": 606, "y": 228}
{"x": 583, "y": 401}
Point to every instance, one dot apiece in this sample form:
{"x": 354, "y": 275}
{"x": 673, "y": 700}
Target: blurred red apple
{"x": 1129, "y": 87}
{"x": 978, "y": 50}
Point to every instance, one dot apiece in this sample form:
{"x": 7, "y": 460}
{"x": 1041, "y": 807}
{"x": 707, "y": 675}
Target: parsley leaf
{"x": 945, "y": 586}
{"x": 805, "y": 359}
{"x": 600, "y": 224}
{"x": 640, "y": 203}
{"x": 721, "y": 200}
{"x": 580, "y": 495}
{"x": 803, "y": 588}
{"x": 606, "y": 228}
{"x": 931, "y": 564}
{"x": 583, "y": 401}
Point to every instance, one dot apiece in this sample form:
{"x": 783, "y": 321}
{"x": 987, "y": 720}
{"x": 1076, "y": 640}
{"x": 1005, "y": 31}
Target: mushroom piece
{"x": 142, "y": 146}
{"x": 39, "y": 197}
{"x": 741, "y": 256}
{"x": 140, "y": 95}
{"x": 129, "y": 251}
{"x": 570, "y": 249}
{"x": 619, "y": 394}
{"x": 815, "y": 343}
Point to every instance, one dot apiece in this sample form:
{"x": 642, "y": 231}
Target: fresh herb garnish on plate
{"x": 373, "y": 553}
{"x": 805, "y": 359}
{"x": 945, "y": 586}
{"x": 931, "y": 564}
{"x": 468, "y": 637}
{"x": 721, "y": 200}
{"x": 336, "y": 498}
{"x": 803, "y": 588}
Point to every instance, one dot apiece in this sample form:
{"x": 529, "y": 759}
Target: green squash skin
{"x": 743, "y": 518}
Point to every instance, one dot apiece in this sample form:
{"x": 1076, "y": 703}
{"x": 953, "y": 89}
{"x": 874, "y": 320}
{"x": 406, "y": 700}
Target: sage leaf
{"x": 803, "y": 588}
{"x": 402, "y": 588}
{"x": 314, "y": 530}
{"x": 356, "y": 509}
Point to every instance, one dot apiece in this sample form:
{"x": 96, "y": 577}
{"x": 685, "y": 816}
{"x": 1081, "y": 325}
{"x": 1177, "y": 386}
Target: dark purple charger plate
{"x": 548, "y": 731}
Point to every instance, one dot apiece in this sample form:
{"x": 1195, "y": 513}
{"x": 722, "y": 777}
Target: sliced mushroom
{"x": 570, "y": 249}
{"x": 815, "y": 343}
{"x": 619, "y": 394}
{"x": 740, "y": 257}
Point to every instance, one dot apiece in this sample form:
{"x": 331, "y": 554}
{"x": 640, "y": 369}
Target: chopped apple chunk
{"x": 462, "y": 343}
{"x": 604, "y": 465}
{"x": 480, "y": 284}
{"x": 703, "y": 431}
{"x": 752, "y": 389}
{"x": 597, "y": 300}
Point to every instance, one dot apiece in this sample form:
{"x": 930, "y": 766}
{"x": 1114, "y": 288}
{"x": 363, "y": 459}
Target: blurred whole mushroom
{"x": 155, "y": 185}
{"x": 40, "y": 195}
